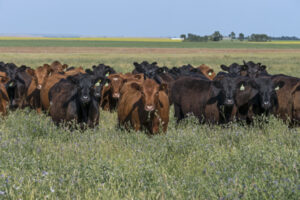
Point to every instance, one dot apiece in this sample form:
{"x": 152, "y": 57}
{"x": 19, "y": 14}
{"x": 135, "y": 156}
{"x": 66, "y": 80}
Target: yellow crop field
{"x": 128, "y": 39}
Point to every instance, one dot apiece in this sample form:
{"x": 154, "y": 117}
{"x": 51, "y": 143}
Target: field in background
{"x": 141, "y": 43}
{"x": 39, "y": 160}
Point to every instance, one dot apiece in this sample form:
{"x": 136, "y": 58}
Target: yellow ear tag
{"x": 242, "y": 88}
{"x": 97, "y": 84}
{"x": 106, "y": 84}
{"x": 209, "y": 74}
{"x": 11, "y": 84}
{"x": 107, "y": 74}
{"x": 277, "y": 88}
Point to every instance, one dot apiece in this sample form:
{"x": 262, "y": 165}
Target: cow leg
{"x": 93, "y": 114}
{"x": 178, "y": 113}
{"x": 135, "y": 120}
{"x": 72, "y": 111}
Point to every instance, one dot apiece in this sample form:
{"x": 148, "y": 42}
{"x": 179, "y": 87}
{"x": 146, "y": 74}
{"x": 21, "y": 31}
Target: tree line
{"x": 217, "y": 36}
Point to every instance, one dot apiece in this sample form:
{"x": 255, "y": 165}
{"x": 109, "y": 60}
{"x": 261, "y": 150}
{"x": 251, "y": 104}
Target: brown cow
{"x": 296, "y": 103}
{"x": 286, "y": 96}
{"x": 51, "y": 81}
{"x": 111, "y": 93}
{"x": 145, "y": 106}
{"x": 39, "y": 76}
{"x": 56, "y": 66}
{"x": 207, "y": 71}
{"x": 4, "y": 99}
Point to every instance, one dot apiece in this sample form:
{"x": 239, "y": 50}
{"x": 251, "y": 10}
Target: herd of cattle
{"x": 143, "y": 98}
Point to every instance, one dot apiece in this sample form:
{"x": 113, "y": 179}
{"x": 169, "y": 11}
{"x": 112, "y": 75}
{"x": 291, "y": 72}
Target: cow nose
{"x": 229, "y": 102}
{"x": 116, "y": 95}
{"x": 149, "y": 108}
{"x": 266, "y": 104}
{"x": 97, "y": 94}
{"x": 39, "y": 87}
{"x": 85, "y": 98}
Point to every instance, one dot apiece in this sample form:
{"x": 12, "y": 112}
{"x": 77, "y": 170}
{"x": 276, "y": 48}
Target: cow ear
{"x": 90, "y": 72}
{"x": 163, "y": 87}
{"x": 30, "y": 71}
{"x": 296, "y": 89}
{"x": 278, "y": 85}
{"x": 160, "y": 70}
{"x": 210, "y": 72}
{"x": 135, "y": 86}
{"x": 224, "y": 68}
{"x": 138, "y": 76}
{"x": 262, "y": 67}
{"x": 65, "y": 66}
{"x": 154, "y": 63}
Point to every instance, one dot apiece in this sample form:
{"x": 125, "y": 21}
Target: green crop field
{"x": 41, "y": 161}
{"x": 145, "y": 44}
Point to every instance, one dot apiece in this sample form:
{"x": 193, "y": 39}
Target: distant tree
{"x": 183, "y": 36}
{"x": 232, "y": 35}
{"x": 259, "y": 38}
{"x": 241, "y": 37}
{"x": 216, "y": 36}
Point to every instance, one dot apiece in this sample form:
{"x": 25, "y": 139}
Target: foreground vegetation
{"x": 39, "y": 160}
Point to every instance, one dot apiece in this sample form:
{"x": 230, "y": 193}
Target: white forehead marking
{"x": 115, "y": 79}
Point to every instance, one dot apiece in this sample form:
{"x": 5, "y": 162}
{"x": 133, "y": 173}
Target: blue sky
{"x": 155, "y": 18}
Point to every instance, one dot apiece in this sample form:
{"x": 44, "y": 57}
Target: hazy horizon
{"x": 148, "y": 19}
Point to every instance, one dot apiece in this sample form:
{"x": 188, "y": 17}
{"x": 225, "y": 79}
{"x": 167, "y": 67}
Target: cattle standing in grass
{"x": 287, "y": 98}
{"x": 73, "y": 99}
{"x": 209, "y": 101}
{"x": 4, "y": 99}
{"x": 145, "y": 106}
{"x": 51, "y": 81}
{"x": 266, "y": 101}
{"x": 39, "y": 76}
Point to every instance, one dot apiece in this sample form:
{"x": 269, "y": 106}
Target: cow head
{"x": 149, "y": 90}
{"x": 235, "y": 69}
{"x": 267, "y": 97}
{"x": 85, "y": 86}
{"x": 56, "y": 66}
{"x": 116, "y": 83}
{"x": 39, "y": 75}
{"x": 207, "y": 71}
{"x": 254, "y": 70}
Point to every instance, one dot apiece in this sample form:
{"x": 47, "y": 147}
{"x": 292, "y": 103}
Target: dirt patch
{"x": 117, "y": 50}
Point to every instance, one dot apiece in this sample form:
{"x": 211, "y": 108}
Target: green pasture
{"x": 41, "y": 161}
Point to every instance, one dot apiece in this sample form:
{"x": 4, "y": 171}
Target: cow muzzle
{"x": 116, "y": 95}
{"x": 149, "y": 108}
{"x": 229, "y": 102}
{"x": 266, "y": 104}
{"x": 39, "y": 87}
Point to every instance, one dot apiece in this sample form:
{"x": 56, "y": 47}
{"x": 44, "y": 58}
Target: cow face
{"x": 103, "y": 70}
{"x": 85, "y": 84}
{"x": 116, "y": 83}
{"x": 254, "y": 70}
{"x": 234, "y": 90}
{"x": 149, "y": 90}
{"x": 20, "y": 86}
{"x": 100, "y": 83}
{"x": 56, "y": 66}
{"x": 235, "y": 69}
{"x": 39, "y": 75}
{"x": 267, "y": 97}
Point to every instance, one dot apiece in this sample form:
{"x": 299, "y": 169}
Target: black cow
{"x": 255, "y": 70}
{"x": 210, "y": 101}
{"x": 74, "y": 99}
